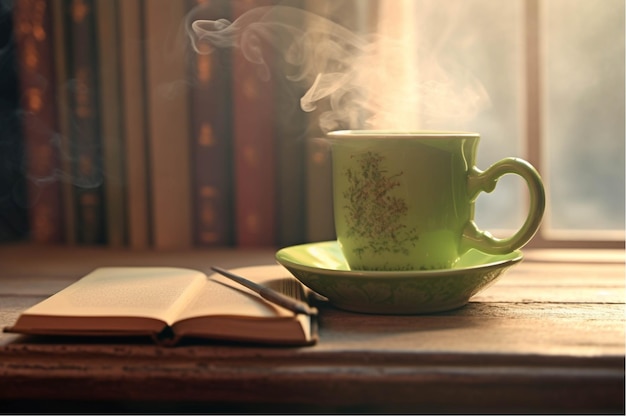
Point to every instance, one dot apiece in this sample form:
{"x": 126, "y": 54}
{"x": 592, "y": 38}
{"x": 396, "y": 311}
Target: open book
{"x": 171, "y": 303}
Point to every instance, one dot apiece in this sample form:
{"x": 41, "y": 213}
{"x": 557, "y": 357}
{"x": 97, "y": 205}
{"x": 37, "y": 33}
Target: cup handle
{"x": 485, "y": 181}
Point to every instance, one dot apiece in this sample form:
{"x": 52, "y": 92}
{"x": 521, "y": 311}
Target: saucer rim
{"x": 519, "y": 256}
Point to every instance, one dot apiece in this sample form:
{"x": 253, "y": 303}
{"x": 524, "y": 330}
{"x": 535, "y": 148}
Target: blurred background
{"x": 124, "y": 124}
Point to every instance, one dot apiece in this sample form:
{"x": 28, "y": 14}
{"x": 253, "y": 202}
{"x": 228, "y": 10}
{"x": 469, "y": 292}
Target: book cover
{"x": 113, "y": 155}
{"x": 320, "y": 225}
{"x": 35, "y": 58}
{"x": 211, "y": 133}
{"x": 14, "y": 213}
{"x": 63, "y": 82}
{"x": 254, "y": 143}
{"x": 320, "y": 220}
{"x": 169, "y": 304}
{"x": 86, "y": 144}
{"x": 133, "y": 105}
{"x": 168, "y": 125}
{"x": 291, "y": 129}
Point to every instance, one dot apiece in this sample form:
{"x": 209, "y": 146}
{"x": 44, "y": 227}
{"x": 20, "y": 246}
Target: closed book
{"x": 168, "y": 125}
{"x": 320, "y": 220}
{"x": 211, "y": 133}
{"x": 86, "y": 143}
{"x": 254, "y": 141}
{"x": 169, "y": 304}
{"x": 35, "y": 58}
{"x": 133, "y": 105}
{"x": 110, "y": 87}
{"x": 320, "y": 224}
{"x": 291, "y": 130}
{"x": 63, "y": 83}
{"x": 14, "y": 220}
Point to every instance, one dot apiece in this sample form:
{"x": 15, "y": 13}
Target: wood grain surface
{"x": 548, "y": 337}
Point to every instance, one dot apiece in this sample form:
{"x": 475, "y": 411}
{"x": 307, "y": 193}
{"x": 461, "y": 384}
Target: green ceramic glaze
{"x": 405, "y": 200}
{"x": 322, "y": 267}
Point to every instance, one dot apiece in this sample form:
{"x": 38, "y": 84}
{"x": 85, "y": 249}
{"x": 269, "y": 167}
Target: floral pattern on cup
{"x": 373, "y": 214}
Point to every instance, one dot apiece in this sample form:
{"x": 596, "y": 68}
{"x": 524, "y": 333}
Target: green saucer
{"x": 322, "y": 267}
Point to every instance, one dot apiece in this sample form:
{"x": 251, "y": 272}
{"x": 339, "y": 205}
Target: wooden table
{"x": 548, "y": 337}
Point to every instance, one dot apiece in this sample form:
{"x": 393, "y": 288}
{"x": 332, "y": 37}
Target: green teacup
{"x": 405, "y": 200}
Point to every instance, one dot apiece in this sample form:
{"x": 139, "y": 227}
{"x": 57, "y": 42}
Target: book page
{"x": 222, "y": 296}
{"x": 157, "y": 292}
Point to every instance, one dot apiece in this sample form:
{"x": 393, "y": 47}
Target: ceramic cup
{"x": 405, "y": 200}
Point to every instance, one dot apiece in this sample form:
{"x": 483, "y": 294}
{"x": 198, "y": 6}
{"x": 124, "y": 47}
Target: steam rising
{"x": 389, "y": 80}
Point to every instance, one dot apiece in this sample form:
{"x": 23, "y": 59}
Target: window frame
{"x": 534, "y": 131}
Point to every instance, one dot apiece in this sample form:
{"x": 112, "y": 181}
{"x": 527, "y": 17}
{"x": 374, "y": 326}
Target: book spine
{"x": 291, "y": 125}
{"x": 133, "y": 103}
{"x": 254, "y": 147}
{"x": 61, "y": 61}
{"x": 14, "y": 218}
{"x": 168, "y": 125}
{"x": 320, "y": 224}
{"x": 212, "y": 136}
{"x": 84, "y": 122}
{"x": 36, "y": 73}
{"x": 108, "y": 35}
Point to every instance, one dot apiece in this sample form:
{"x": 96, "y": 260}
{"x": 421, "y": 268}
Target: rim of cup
{"x": 397, "y": 134}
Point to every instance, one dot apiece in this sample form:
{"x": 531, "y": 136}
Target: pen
{"x": 269, "y": 294}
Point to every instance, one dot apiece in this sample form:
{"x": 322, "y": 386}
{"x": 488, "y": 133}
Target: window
{"x": 582, "y": 71}
{"x": 553, "y": 78}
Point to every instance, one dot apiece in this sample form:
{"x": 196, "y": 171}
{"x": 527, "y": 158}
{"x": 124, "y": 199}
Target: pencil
{"x": 269, "y": 294}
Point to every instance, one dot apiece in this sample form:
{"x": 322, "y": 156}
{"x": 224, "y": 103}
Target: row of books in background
{"x": 131, "y": 139}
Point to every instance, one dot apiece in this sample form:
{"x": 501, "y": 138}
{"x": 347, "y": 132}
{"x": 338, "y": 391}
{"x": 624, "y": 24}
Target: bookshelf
{"x": 149, "y": 144}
